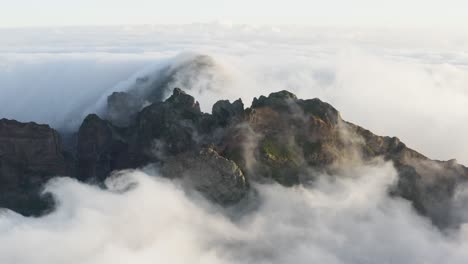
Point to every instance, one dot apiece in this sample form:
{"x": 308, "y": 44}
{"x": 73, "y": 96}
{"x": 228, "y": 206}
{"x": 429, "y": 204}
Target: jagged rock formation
{"x": 280, "y": 138}
{"x": 101, "y": 149}
{"x": 122, "y": 107}
{"x": 30, "y": 154}
{"x": 220, "y": 179}
{"x": 225, "y": 112}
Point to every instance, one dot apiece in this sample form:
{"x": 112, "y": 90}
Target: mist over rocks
{"x": 347, "y": 68}
{"x": 189, "y": 71}
{"x": 279, "y": 139}
{"x": 122, "y": 108}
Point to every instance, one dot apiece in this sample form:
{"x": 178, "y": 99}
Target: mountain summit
{"x": 278, "y": 139}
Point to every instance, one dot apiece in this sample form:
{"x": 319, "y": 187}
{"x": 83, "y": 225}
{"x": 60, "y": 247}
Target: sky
{"x": 361, "y": 13}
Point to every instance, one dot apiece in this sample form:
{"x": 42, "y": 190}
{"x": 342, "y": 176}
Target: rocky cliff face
{"x": 220, "y": 179}
{"x": 280, "y": 138}
{"x": 30, "y": 154}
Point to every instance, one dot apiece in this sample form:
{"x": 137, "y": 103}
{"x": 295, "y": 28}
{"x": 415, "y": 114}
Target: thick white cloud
{"x": 348, "y": 219}
{"x": 410, "y": 84}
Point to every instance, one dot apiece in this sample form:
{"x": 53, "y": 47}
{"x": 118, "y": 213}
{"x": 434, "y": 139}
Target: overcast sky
{"x": 406, "y": 13}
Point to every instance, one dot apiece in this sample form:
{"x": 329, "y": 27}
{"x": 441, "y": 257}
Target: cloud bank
{"x": 400, "y": 83}
{"x": 145, "y": 219}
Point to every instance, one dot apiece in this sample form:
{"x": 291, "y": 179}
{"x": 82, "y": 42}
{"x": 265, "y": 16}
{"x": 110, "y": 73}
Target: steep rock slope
{"x": 30, "y": 154}
{"x": 280, "y": 138}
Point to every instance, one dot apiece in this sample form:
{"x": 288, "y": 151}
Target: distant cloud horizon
{"x": 412, "y": 85}
{"x": 358, "y": 13}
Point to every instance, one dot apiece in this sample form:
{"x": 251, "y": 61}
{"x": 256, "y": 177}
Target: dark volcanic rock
{"x": 167, "y": 128}
{"x": 30, "y": 154}
{"x": 216, "y": 177}
{"x": 162, "y": 129}
{"x": 287, "y": 137}
{"x": 279, "y": 138}
{"x": 167, "y": 133}
{"x": 102, "y": 148}
{"x": 290, "y": 136}
{"x": 225, "y": 112}
{"x": 429, "y": 184}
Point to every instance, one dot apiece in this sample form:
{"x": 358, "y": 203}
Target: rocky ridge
{"x": 30, "y": 155}
{"x": 280, "y": 138}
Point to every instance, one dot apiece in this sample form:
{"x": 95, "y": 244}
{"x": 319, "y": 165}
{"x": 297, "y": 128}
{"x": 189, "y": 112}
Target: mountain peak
{"x": 280, "y": 138}
{"x": 180, "y": 99}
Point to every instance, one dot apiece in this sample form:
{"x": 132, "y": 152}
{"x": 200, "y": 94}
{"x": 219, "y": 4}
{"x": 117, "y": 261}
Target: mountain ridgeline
{"x": 278, "y": 139}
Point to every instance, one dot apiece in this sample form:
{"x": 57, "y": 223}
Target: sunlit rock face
{"x": 220, "y": 179}
{"x": 279, "y": 138}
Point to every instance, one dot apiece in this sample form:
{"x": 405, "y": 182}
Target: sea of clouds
{"x": 143, "y": 218}
{"x": 409, "y": 84}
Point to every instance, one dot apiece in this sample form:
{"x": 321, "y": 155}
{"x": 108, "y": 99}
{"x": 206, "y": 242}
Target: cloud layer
{"x": 147, "y": 219}
{"x": 407, "y": 84}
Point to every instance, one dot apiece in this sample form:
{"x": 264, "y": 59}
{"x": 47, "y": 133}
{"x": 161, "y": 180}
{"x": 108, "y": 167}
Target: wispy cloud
{"x": 401, "y": 83}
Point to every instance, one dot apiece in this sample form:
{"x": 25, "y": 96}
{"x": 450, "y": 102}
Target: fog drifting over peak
{"x": 399, "y": 83}
{"x": 407, "y": 84}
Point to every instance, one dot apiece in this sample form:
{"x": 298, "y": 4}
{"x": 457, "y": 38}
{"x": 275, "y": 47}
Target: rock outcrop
{"x": 280, "y": 138}
{"x": 218, "y": 178}
{"x": 122, "y": 107}
{"x": 225, "y": 112}
{"x": 101, "y": 149}
{"x": 30, "y": 154}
